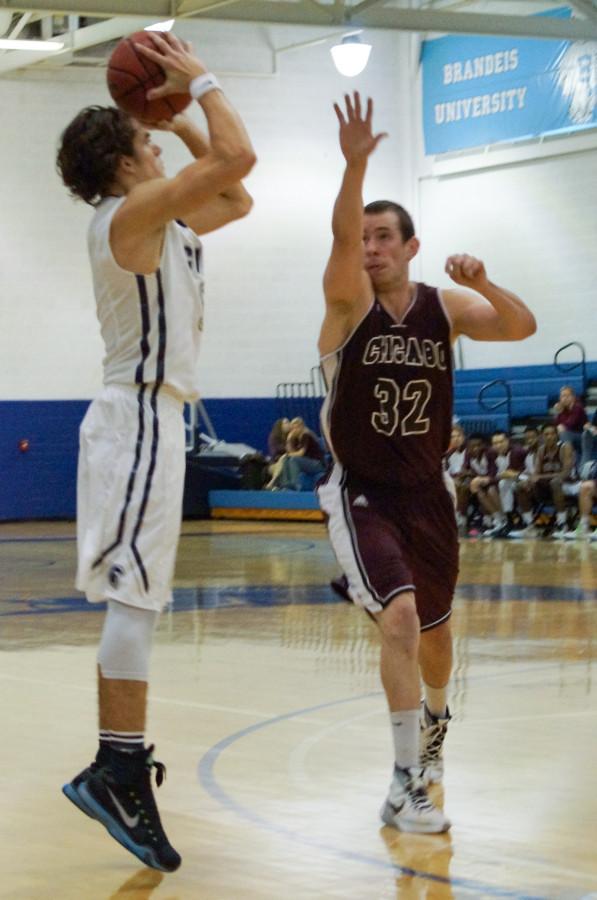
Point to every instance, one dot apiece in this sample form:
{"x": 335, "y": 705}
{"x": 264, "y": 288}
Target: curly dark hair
{"x": 90, "y": 150}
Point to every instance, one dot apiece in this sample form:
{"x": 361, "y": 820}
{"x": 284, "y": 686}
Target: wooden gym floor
{"x": 267, "y": 709}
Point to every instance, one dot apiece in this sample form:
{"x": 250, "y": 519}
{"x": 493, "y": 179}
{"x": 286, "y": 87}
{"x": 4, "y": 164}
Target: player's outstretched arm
{"x": 500, "y": 316}
{"x": 346, "y": 285}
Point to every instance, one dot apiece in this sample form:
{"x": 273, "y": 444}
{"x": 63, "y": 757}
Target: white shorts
{"x": 129, "y": 496}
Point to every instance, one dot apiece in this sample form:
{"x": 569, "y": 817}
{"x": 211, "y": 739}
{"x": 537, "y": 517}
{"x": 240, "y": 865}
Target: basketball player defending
{"x": 148, "y": 282}
{"x": 385, "y": 347}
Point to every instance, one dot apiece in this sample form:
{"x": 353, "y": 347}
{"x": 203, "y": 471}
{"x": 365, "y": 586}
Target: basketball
{"x": 131, "y": 75}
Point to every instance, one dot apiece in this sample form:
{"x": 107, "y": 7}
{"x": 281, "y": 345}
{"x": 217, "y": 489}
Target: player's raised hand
{"x": 178, "y": 61}
{"x": 357, "y": 140}
{"x": 467, "y": 271}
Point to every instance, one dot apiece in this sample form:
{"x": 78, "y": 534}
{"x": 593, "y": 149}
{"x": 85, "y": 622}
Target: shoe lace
{"x": 158, "y": 766}
{"x": 142, "y": 796}
{"x": 433, "y": 737}
{"x": 417, "y": 793}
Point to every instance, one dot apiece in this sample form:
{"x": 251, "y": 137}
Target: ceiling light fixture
{"x": 36, "y": 46}
{"x": 350, "y": 55}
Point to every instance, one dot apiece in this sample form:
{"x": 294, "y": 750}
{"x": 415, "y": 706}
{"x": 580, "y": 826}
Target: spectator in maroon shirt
{"x": 570, "y": 417}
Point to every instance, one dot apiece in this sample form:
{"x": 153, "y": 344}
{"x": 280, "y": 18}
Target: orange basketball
{"x": 131, "y": 75}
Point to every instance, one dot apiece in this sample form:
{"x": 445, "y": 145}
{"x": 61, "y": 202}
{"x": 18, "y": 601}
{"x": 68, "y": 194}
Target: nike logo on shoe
{"x": 129, "y": 821}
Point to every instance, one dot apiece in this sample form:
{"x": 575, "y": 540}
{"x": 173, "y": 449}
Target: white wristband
{"x": 202, "y": 84}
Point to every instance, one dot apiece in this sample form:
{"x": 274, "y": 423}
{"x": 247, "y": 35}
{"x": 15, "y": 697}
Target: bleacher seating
{"x": 520, "y": 387}
{"x": 533, "y": 389}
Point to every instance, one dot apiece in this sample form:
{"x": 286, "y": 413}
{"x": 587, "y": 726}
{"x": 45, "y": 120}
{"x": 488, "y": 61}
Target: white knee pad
{"x": 125, "y": 646}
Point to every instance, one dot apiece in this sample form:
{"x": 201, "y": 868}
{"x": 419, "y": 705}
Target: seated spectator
{"x": 276, "y": 442}
{"x": 453, "y": 464}
{"x": 509, "y": 461}
{"x": 588, "y": 444}
{"x": 276, "y": 446}
{"x": 570, "y": 417}
{"x": 552, "y": 481}
{"x": 531, "y": 441}
{"x": 524, "y": 483}
{"x": 478, "y": 482}
{"x": 303, "y": 457}
{"x": 454, "y": 458}
{"x": 586, "y": 498}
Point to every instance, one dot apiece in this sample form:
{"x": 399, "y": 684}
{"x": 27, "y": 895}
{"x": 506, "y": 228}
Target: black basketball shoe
{"x": 340, "y": 587}
{"x": 121, "y": 798}
{"x": 71, "y": 790}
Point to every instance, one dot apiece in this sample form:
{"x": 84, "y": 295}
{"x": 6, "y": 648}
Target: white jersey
{"x": 455, "y": 462}
{"x": 151, "y": 324}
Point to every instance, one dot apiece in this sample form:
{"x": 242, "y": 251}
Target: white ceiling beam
{"x": 409, "y": 20}
{"x": 586, "y": 8}
{"x": 162, "y": 9}
{"x": 109, "y": 30}
{"x": 427, "y": 20}
{"x": 299, "y": 13}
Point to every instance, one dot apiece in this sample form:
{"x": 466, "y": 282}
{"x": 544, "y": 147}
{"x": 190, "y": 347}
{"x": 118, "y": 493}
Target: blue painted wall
{"x": 41, "y": 483}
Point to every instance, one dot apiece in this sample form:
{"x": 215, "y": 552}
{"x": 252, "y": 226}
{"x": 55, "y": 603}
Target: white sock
{"x": 499, "y": 518}
{"x": 561, "y": 518}
{"x": 436, "y": 700}
{"x": 527, "y": 518}
{"x": 405, "y": 732}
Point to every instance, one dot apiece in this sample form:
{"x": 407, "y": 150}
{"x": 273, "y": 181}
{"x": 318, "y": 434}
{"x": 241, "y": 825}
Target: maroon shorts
{"x": 390, "y": 540}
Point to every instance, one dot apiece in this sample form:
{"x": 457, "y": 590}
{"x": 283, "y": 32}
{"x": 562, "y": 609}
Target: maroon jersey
{"x": 388, "y": 413}
{"x": 549, "y": 462}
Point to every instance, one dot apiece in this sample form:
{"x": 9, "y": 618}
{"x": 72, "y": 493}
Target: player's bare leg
{"x": 435, "y": 659}
{"x": 116, "y": 789}
{"x": 407, "y": 806}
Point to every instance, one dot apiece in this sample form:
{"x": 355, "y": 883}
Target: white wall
{"x": 264, "y": 273}
{"x": 528, "y": 210}
{"x": 534, "y": 223}
{"x": 533, "y": 220}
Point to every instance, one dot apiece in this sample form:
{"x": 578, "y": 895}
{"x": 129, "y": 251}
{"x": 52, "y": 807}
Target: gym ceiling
{"x": 89, "y": 28}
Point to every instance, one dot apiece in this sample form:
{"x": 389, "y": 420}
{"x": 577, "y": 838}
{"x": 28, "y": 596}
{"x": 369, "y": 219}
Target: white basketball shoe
{"x": 408, "y": 808}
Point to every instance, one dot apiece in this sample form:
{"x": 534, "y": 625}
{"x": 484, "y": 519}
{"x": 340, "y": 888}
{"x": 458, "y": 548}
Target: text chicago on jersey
{"x": 394, "y": 349}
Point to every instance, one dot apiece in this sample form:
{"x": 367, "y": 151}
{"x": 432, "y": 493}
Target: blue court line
{"x": 282, "y": 546}
{"x": 268, "y": 595}
{"x": 210, "y": 784}
{"x": 46, "y": 539}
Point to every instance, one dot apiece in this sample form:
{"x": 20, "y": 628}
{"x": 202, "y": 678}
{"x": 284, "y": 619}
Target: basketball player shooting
{"x": 385, "y": 348}
{"x": 148, "y": 283}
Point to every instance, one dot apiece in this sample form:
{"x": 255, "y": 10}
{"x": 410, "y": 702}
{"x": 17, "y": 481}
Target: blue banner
{"x": 479, "y": 91}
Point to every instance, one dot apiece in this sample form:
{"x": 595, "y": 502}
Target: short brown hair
{"x": 90, "y": 150}
{"x": 405, "y": 222}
